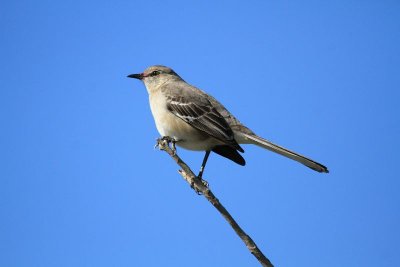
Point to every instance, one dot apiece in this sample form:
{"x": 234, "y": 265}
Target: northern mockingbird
{"x": 195, "y": 120}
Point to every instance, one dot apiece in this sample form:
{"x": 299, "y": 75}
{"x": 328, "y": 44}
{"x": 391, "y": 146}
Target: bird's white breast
{"x": 161, "y": 115}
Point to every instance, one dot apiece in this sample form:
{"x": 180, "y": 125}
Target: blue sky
{"x": 81, "y": 184}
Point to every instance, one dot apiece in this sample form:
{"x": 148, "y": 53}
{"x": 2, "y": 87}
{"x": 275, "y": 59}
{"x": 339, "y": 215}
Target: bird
{"x": 194, "y": 120}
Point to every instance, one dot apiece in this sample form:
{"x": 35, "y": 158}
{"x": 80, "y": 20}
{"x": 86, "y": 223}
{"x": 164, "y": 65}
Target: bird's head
{"x": 156, "y": 75}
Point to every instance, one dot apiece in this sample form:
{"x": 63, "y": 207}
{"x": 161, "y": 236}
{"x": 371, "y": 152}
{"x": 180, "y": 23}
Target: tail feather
{"x": 254, "y": 139}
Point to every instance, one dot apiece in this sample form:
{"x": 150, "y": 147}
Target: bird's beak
{"x": 136, "y": 76}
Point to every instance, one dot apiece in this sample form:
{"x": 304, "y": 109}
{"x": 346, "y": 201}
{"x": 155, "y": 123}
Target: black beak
{"x": 136, "y": 76}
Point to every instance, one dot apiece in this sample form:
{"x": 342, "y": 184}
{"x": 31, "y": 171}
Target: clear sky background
{"x": 80, "y": 182}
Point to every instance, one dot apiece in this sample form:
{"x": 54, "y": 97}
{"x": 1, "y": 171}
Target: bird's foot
{"x": 204, "y": 182}
{"x": 200, "y": 178}
{"x": 195, "y": 189}
{"x": 168, "y": 140}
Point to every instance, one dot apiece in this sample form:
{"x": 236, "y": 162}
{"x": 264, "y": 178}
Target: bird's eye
{"x": 154, "y": 73}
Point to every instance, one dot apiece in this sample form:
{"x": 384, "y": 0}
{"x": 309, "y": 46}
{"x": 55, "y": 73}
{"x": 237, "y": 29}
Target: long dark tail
{"x": 256, "y": 140}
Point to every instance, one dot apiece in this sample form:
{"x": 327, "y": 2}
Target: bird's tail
{"x": 256, "y": 140}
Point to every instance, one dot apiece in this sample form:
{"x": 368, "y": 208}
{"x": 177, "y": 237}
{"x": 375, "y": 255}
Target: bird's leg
{"x": 199, "y": 176}
{"x": 173, "y": 147}
{"x": 203, "y": 165}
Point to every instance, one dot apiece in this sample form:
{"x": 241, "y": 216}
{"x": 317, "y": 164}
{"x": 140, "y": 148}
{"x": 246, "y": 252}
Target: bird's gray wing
{"x": 203, "y": 116}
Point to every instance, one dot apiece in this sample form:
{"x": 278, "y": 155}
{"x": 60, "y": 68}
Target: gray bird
{"x": 195, "y": 120}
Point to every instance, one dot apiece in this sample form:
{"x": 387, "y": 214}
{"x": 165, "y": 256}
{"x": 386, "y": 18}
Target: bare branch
{"x": 201, "y": 187}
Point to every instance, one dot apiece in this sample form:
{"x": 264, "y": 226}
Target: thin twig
{"x": 201, "y": 187}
